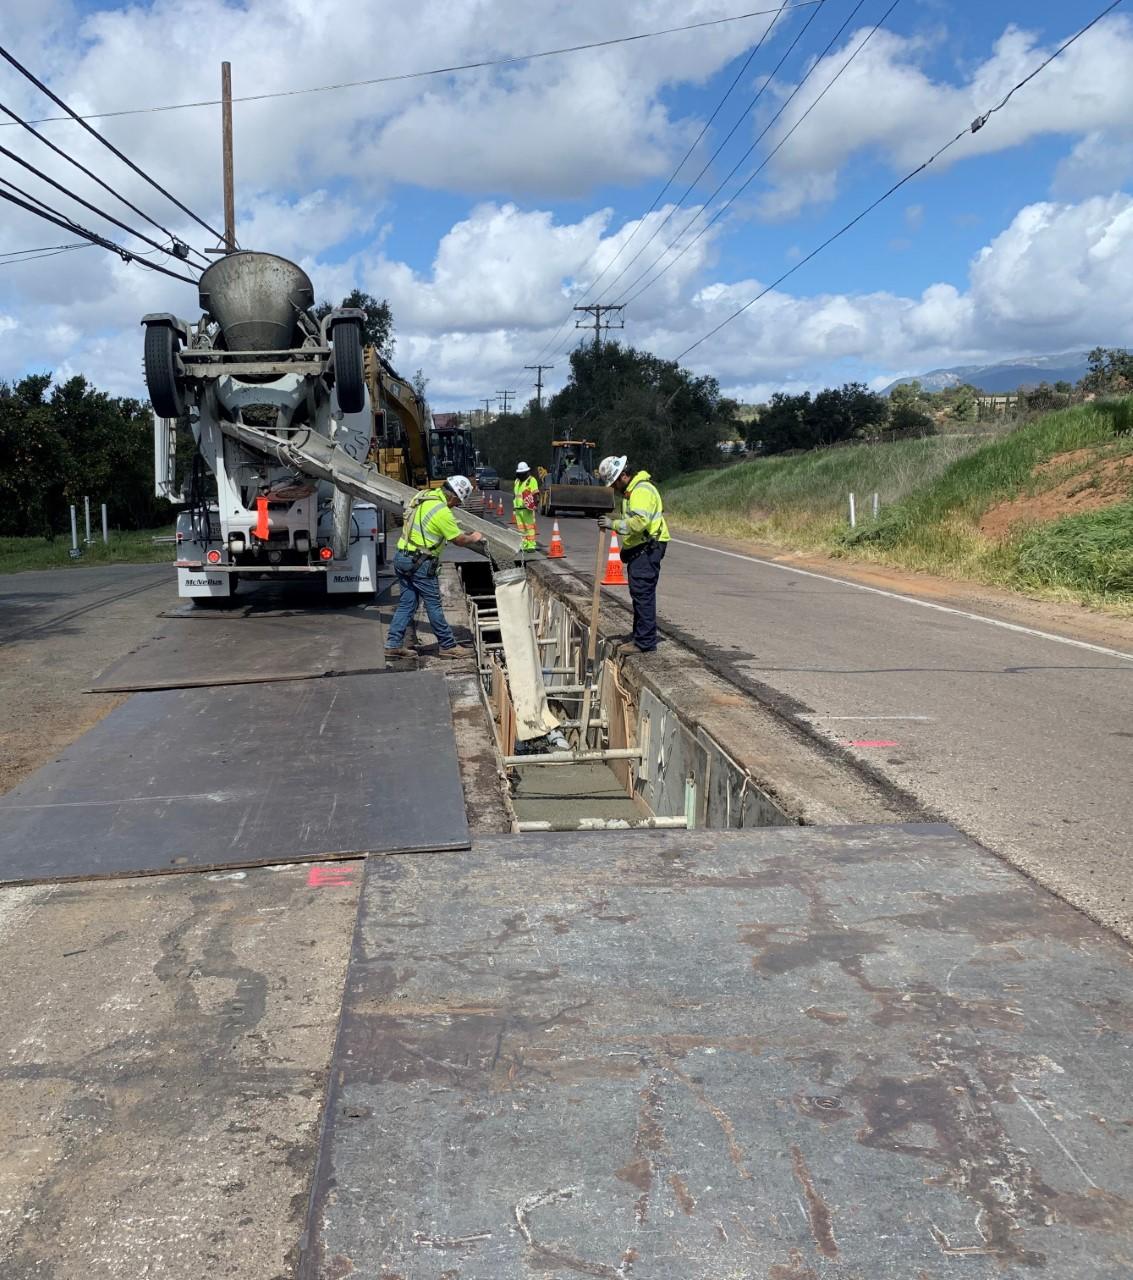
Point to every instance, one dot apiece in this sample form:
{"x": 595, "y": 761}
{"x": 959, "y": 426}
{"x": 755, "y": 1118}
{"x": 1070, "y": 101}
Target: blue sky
{"x": 478, "y": 202}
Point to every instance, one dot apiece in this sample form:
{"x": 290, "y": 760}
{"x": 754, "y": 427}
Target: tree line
{"x": 59, "y": 443}
{"x": 664, "y": 417}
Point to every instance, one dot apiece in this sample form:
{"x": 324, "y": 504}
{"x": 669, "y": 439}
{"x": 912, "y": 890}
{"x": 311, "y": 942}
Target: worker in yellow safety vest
{"x": 525, "y": 501}
{"x": 644, "y": 536}
{"x": 429, "y": 525}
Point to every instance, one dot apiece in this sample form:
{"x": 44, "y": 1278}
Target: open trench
{"x": 643, "y": 764}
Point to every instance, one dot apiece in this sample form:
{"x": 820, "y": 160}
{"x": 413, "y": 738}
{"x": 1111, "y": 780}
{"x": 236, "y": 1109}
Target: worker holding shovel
{"x": 429, "y": 526}
{"x": 644, "y": 536}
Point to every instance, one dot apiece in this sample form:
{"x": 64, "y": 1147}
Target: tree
{"x": 420, "y": 384}
{"x": 1111, "y": 371}
{"x": 665, "y": 417}
{"x": 377, "y": 329}
{"x": 907, "y": 410}
{"x": 59, "y": 443}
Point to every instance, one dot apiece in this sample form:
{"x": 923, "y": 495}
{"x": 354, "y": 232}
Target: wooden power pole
{"x": 229, "y": 186}
{"x": 537, "y": 369}
{"x": 598, "y": 310}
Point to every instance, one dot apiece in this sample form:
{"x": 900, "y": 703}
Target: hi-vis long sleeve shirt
{"x": 643, "y": 514}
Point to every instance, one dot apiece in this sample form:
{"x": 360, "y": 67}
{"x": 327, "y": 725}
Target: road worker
{"x": 525, "y": 501}
{"x": 429, "y": 525}
{"x": 644, "y": 535}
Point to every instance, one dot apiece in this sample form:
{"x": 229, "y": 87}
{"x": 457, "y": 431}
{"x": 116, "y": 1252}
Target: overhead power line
{"x": 711, "y": 159}
{"x": 433, "y": 71}
{"x": 13, "y": 260}
{"x": 763, "y": 163}
{"x": 976, "y": 125}
{"x": 554, "y": 338}
{"x": 699, "y": 137}
{"x": 176, "y": 241}
{"x": 79, "y": 199}
{"x": 105, "y": 142}
{"x": 43, "y": 248}
{"x": 60, "y": 220}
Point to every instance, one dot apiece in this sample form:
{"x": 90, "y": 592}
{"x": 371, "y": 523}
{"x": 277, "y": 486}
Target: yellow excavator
{"x": 399, "y": 441}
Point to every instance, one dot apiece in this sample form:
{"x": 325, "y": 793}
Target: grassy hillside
{"x": 1048, "y": 507}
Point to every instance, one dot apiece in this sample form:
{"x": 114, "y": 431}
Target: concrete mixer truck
{"x": 278, "y": 484}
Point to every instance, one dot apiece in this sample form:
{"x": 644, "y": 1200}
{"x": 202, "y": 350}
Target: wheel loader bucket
{"x": 256, "y": 298}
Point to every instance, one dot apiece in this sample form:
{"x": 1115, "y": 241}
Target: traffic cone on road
{"x": 615, "y": 570}
{"x": 555, "y": 550}
{"x": 500, "y": 508}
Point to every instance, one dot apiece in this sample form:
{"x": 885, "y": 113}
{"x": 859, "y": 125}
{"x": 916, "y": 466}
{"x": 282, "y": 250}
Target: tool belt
{"x": 417, "y": 557}
{"x": 649, "y": 544}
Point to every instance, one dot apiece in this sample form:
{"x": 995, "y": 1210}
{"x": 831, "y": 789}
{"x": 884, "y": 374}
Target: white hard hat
{"x": 460, "y": 485}
{"x": 521, "y": 468}
{"x": 610, "y": 468}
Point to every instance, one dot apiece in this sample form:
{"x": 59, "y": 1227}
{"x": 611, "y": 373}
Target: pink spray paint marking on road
{"x": 872, "y": 742}
{"x": 335, "y": 877}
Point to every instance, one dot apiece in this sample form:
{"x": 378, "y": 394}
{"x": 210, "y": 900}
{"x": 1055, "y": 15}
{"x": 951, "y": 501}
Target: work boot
{"x": 629, "y": 647}
{"x": 401, "y": 652}
{"x": 457, "y": 651}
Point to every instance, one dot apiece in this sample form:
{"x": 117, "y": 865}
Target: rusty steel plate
{"x": 789, "y": 1053}
{"x": 243, "y": 775}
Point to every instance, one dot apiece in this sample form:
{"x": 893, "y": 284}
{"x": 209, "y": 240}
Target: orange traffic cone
{"x": 500, "y": 507}
{"x": 615, "y": 570}
{"x": 555, "y": 550}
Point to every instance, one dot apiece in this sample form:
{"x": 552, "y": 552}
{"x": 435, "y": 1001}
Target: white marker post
{"x": 876, "y": 505}
{"x": 86, "y": 505}
{"x": 106, "y": 529}
{"x": 853, "y": 513}
{"x": 74, "y": 531}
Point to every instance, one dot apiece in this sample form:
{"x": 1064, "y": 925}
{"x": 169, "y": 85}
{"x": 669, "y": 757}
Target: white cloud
{"x": 886, "y": 103}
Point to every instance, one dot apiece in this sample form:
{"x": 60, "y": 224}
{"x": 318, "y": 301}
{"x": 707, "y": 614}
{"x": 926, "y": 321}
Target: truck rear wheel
{"x": 165, "y": 392}
{"x": 348, "y": 374}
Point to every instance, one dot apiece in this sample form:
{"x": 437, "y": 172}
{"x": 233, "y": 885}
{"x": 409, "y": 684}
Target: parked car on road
{"x": 487, "y": 478}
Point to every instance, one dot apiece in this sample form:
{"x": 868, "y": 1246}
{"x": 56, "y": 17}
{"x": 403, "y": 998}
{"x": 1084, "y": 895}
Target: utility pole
{"x": 538, "y": 371}
{"x": 505, "y": 396}
{"x": 226, "y": 124}
{"x": 598, "y": 310}
{"x": 487, "y": 408}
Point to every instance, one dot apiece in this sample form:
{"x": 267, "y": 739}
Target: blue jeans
{"x": 643, "y": 568}
{"x": 417, "y": 584}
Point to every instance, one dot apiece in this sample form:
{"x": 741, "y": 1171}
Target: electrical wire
{"x": 8, "y": 57}
{"x": 7, "y": 261}
{"x": 434, "y": 71}
{"x": 976, "y": 125}
{"x": 176, "y": 241}
{"x": 727, "y": 138}
{"x": 79, "y": 199}
{"x": 699, "y": 137}
{"x": 672, "y": 178}
{"x": 762, "y": 164}
{"x": 43, "y": 248}
{"x": 61, "y": 220}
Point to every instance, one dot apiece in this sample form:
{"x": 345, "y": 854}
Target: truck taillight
{"x": 213, "y": 557}
{"x": 325, "y": 553}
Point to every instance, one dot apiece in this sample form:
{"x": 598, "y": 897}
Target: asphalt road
{"x": 48, "y": 600}
{"x": 1024, "y": 741}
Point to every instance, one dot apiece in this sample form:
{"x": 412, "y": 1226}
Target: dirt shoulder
{"x": 45, "y": 671}
{"x": 1062, "y": 618}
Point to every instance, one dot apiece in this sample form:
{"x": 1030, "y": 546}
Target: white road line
{"x": 857, "y": 718}
{"x": 924, "y": 604}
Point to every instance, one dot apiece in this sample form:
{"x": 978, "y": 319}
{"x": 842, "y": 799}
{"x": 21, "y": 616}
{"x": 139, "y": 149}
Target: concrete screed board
{"x": 243, "y": 775}
{"x": 788, "y": 1052}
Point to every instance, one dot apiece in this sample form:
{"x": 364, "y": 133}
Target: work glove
{"x": 605, "y": 523}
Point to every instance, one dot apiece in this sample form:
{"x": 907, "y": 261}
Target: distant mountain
{"x": 1009, "y": 375}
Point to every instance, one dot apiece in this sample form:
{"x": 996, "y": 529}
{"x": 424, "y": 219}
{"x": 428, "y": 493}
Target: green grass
{"x": 135, "y": 547}
{"x": 933, "y": 495}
